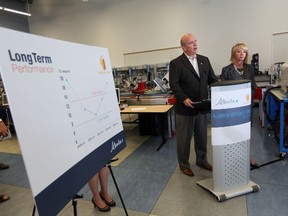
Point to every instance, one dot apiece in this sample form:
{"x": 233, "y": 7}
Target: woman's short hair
{"x": 236, "y": 47}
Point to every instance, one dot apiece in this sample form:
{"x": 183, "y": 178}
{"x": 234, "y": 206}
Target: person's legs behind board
{"x": 103, "y": 177}
{"x": 96, "y": 198}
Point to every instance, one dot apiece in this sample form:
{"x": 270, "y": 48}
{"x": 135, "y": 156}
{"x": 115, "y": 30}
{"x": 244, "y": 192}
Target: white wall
{"x": 126, "y": 26}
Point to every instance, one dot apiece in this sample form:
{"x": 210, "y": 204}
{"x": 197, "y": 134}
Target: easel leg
{"x": 74, "y": 203}
{"x": 109, "y": 166}
{"x": 34, "y": 210}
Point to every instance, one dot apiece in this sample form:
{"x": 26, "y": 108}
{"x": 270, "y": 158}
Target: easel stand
{"x": 114, "y": 180}
{"x": 34, "y": 210}
{"x": 74, "y": 200}
{"x": 74, "y": 203}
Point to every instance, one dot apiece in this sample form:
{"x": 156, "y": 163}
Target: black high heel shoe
{"x": 104, "y": 209}
{"x": 110, "y": 204}
{"x": 254, "y": 166}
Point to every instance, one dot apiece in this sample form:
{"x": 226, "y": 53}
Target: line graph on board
{"x": 88, "y": 109}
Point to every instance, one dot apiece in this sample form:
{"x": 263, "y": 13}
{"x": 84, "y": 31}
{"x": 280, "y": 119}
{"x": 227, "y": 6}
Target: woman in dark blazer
{"x": 190, "y": 75}
{"x": 240, "y": 69}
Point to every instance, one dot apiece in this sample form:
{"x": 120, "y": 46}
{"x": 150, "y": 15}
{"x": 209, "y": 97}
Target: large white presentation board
{"x": 64, "y": 107}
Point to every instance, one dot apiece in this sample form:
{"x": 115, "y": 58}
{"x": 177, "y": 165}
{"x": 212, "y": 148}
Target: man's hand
{"x": 188, "y": 103}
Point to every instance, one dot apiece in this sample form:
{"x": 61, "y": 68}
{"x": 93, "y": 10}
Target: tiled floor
{"x": 151, "y": 183}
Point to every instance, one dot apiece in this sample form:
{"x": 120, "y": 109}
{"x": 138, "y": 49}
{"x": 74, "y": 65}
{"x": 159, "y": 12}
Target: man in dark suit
{"x": 190, "y": 75}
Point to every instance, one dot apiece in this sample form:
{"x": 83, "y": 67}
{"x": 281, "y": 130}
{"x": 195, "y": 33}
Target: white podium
{"x": 231, "y": 135}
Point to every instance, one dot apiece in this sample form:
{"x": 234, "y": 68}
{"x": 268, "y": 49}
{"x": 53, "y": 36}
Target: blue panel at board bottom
{"x": 54, "y": 197}
{"x": 230, "y": 117}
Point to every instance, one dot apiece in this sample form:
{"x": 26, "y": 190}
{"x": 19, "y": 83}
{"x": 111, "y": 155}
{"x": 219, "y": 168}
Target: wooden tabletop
{"x": 280, "y": 94}
{"x": 147, "y": 109}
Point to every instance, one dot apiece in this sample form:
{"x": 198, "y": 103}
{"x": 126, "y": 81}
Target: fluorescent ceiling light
{"x": 15, "y": 11}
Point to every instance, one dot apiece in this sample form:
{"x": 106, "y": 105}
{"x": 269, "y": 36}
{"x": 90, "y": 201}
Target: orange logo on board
{"x": 247, "y": 97}
{"x": 102, "y": 63}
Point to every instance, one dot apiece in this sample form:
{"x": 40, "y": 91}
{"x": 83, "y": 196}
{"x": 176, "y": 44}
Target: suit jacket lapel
{"x": 188, "y": 64}
{"x": 200, "y": 64}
